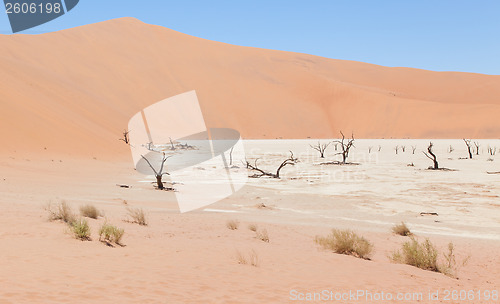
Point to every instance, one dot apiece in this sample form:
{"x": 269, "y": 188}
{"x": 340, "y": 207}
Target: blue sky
{"x": 440, "y": 35}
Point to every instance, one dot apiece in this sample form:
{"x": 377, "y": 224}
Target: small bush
{"x": 138, "y": 216}
{"x": 346, "y": 242}
{"x": 401, "y": 229}
{"x": 422, "y": 255}
{"x": 81, "y": 230}
{"x": 89, "y": 211}
{"x": 263, "y": 236}
{"x": 252, "y": 227}
{"x": 110, "y": 234}
{"x": 232, "y": 224}
{"x": 63, "y": 213}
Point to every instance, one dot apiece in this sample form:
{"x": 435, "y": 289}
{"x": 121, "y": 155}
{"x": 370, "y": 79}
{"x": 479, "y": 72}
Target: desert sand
{"x": 66, "y": 97}
{"x": 192, "y": 257}
{"x": 73, "y": 91}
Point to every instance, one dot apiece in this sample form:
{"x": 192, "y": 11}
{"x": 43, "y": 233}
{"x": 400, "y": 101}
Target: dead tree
{"x": 492, "y": 151}
{"x": 403, "y": 148}
{"x": 469, "y": 147}
{"x": 432, "y": 157}
{"x": 172, "y": 146}
{"x": 477, "y": 147}
{"x": 413, "y": 149}
{"x": 345, "y": 146}
{"x": 289, "y": 161}
{"x": 158, "y": 174}
{"x": 396, "y": 148}
{"x": 379, "y": 148}
{"x": 450, "y": 149}
{"x": 320, "y": 148}
{"x": 370, "y": 149}
{"x": 125, "y": 137}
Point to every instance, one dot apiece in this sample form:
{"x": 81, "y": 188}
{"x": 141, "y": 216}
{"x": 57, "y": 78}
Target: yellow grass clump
{"x": 232, "y": 224}
{"x": 138, "y": 216}
{"x": 61, "y": 213}
{"x": 401, "y": 229}
{"x": 346, "y": 242}
{"x": 89, "y": 211}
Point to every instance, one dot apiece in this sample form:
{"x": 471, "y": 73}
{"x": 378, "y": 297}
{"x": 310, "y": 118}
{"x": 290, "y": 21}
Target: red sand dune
{"x": 73, "y": 91}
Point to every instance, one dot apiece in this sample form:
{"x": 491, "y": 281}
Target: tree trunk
{"x": 159, "y": 182}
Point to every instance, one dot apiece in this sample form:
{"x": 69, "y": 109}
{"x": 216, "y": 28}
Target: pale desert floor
{"x": 192, "y": 257}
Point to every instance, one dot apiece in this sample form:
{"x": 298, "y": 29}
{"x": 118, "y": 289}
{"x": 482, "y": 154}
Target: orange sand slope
{"x": 75, "y": 90}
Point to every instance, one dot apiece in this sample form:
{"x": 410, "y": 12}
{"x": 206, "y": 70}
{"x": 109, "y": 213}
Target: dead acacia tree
{"x": 396, "y": 148}
{"x": 345, "y": 146}
{"x": 158, "y": 174}
{"x": 125, "y": 137}
{"x": 492, "y": 151}
{"x": 370, "y": 149}
{"x": 403, "y": 148}
{"x": 432, "y": 157}
{"x": 289, "y": 161}
{"x": 321, "y": 148}
{"x": 413, "y": 149}
{"x": 477, "y": 147}
{"x": 469, "y": 147}
{"x": 450, "y": 149}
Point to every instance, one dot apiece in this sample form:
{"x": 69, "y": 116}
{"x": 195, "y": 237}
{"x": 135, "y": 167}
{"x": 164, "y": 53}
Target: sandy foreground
{"x": 193, "y": 257}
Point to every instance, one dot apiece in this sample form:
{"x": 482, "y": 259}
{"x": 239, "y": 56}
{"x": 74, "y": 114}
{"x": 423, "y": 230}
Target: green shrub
{"x": 110, "y": 234}
{"x": 422, "y": 255}
{"x": 81, "y": 230}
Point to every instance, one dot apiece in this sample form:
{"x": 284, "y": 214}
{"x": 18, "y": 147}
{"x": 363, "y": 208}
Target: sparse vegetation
{"x": 422, "y": 255}
{"x": 138, "y": 216}
{"x": 252, "y": 227}
{"x": 263, "y": 236}
{"x": 89, "y": 211}
{"x": 110, "y": 234}
{"x": 401, "y": 229}
{"x": 346, "y": 242}
{"x": 253, "y": 258}
{"x": 232, "y": 224}
{"x": 81, "y": 229}
{"x": 61, "y": 213}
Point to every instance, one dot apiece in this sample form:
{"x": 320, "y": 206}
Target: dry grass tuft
{"x": 110, "y": 234}
{"x": 346, "y": 242}
{"x": 401, "y": 229}
{"x": 263, "y": 236}
{"x": 61, "y": 213}
{"x": 138, "y": 216}
{"x": 253, "y": 258}
{"x": 422, "y": 255}
{"x": 252, "y": 227}
{"x": 89, "y": 211}
{"x": 232, "y": 224}
{"x": 81, "y": 230}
